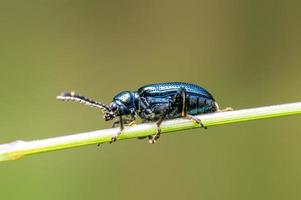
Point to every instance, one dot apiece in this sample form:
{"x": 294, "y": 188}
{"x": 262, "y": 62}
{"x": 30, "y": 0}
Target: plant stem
{"x": 18, "y": 149}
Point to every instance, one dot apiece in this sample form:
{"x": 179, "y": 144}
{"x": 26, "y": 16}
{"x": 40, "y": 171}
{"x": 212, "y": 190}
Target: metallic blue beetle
{"x": 154, "y": 102}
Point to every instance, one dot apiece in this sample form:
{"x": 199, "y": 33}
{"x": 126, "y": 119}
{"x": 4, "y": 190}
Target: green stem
{"x": 18, "y": 149}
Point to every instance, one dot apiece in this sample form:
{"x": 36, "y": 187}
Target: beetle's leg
{"x": 144, "y": 104}
{"x": 180, "y": 94}
{"x": 184, "y": 105}
{"x": 196, "y": 120}
{"x": 114, "y": 124}
{"x": 144, "y": 108}
{"x": 184, "y": 109}
{"x": 132, "y": 123}
{"x": 225, "y": 109}
{"x": 154, "y": 138}
{"x": 114, "y": 138}
{"x": 222, "y": 110}
{"x": 125, "y": 122}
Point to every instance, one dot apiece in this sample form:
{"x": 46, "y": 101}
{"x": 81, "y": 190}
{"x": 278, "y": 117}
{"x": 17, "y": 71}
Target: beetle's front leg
{"x": 130, "y": 120}
{"x": 114, "y": 138}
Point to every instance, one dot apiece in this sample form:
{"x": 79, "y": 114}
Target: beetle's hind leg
{"x": 184, "y": 112}
{"x": 223, "y": 110}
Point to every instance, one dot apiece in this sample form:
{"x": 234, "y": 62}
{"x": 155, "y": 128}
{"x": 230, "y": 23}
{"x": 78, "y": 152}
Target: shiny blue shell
{"x": 169, "y": 88}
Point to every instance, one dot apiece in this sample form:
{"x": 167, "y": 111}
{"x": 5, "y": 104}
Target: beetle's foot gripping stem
{"x": 121, "y": 122}
{"x": 152, "y": 139}
{"x": 114, "y": 138}
{"x": 132, "y": 123}
{"x": 225, "y": 109}
{"x": 196, "y": 120}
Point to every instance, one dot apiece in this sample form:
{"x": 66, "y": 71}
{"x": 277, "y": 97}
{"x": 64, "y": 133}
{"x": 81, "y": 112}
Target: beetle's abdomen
{"x": 197, "y": 105}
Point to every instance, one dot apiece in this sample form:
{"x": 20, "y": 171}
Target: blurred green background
{"x": 247, "y": 53}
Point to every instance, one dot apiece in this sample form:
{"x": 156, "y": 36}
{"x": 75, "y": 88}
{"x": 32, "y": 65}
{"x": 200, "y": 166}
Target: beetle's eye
{"x": 113, "y": 106}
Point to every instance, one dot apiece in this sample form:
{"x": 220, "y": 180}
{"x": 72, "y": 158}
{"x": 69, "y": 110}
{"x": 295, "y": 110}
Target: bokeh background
{"x": 247, "y": 53}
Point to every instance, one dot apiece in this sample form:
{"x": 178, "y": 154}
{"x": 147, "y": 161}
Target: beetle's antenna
{"x": 72, "y": 96}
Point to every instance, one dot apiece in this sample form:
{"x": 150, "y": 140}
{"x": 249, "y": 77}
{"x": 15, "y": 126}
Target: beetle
{"x": 153, "y": 102}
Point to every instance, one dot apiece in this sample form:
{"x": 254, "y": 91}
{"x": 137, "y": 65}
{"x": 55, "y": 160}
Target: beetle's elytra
{"x": 154, "y": 102}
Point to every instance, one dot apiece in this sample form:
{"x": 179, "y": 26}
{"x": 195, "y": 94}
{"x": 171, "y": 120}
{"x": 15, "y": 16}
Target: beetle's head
{"x": 122, "y": 104}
